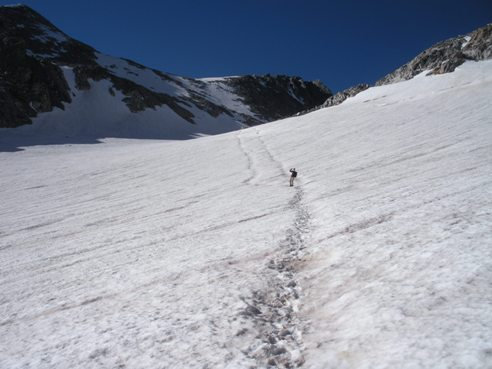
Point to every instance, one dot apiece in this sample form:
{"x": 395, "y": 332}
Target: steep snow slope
{"x": 146, "y": 254}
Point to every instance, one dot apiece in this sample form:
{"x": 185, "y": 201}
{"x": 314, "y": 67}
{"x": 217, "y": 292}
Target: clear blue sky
{"x": 339, "y": 42}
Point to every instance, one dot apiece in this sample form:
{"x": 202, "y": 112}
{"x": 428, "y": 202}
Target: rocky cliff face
{"x": 445, "y": 56}
{"x": 276, "y": 97}
{"x": 28, "y": 85}
{"x": 42, "y": 68}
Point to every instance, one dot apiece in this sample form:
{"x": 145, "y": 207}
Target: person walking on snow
{"x": 292, "y": 176}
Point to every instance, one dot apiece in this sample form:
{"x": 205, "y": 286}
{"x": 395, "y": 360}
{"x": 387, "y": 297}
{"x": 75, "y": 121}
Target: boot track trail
{"x": 273, "y": 310}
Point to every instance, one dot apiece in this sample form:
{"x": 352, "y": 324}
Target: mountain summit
{"x": 86, "y": 92}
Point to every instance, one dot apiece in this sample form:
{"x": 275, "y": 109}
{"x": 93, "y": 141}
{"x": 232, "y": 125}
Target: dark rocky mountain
{"x": 42, "y": 68}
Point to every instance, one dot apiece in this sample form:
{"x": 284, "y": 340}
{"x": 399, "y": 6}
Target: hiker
{"x": 292, "y": 176}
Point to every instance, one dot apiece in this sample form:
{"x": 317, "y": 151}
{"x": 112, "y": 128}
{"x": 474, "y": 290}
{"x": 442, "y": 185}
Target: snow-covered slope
{"x": 197, "y": 254}
{"x": 44, "y": 72}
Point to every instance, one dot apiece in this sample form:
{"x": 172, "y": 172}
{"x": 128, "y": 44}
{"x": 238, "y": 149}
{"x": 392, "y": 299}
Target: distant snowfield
{"x": 197, "y": 254}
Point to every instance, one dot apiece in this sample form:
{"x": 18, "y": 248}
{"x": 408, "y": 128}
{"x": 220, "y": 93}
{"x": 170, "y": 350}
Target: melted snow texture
{"x": 143, "y": 254}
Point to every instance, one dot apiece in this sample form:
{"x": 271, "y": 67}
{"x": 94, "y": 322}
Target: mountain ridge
{"x": 445, "y": 56}
{"x": 32, "y": 81}
{"x": 442, "y": 57}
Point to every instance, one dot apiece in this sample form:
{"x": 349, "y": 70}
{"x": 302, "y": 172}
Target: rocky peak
{"x": 40, "y": 38}
{"x": 28, "y": 85}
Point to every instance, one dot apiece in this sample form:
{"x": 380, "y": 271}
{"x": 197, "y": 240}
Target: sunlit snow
{"x": 155, "y": 254}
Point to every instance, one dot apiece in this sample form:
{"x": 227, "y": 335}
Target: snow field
{"x": 398, "y": 181}
{"x": 197, "y": 254}
{"x": 117, "y": 256}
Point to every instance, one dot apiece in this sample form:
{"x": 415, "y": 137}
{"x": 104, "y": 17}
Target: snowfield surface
{"x": 197, "y": 254}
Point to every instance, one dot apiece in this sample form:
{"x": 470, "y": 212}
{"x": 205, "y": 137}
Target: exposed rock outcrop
{"x": 27, "y": 85}
{"x": 340, "y": 97}
{"x": 276, "y": 97}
